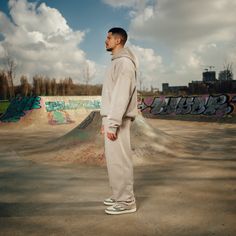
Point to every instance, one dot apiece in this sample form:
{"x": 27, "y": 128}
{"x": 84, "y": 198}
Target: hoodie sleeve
{"x": 120, "y": 96}
{"x": 104, "y": 102}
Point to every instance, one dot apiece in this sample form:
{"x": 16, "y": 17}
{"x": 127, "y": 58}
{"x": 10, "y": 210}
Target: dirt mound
{"x": 85, "y": 144}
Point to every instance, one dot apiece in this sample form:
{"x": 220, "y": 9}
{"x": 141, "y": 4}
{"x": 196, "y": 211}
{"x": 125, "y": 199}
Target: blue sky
{"x": 93, "y": 16}
{"x": 174, "y": 41}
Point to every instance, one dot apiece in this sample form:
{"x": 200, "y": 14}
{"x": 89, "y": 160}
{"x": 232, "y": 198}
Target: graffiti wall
{"x": 63, "y": 110}
{"x": 53, "y": 110}
{"x": 19, "y": 107}
{"x": 58, "y": 111}
{"x": 207, "y": 105}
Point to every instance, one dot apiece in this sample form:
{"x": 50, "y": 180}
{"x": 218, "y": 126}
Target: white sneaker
{"x": 121, "y": 208}
{"x": 109, "y": 202}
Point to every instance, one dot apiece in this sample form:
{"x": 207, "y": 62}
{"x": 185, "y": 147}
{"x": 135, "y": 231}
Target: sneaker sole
{"x": 120, "y": 212}
{"x": 108, "y": 204}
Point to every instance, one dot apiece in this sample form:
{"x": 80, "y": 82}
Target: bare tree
{"x": 87, "y": 76}
{"x": 3, "y": 85}
{"x": 36, "y": 85}
{"x": 69, "y": 84}
{"x": 66, "y": 85}
{"x": 61, "y": 87}
{"x": 42, "y": 86}
{"x": 48, "y": 85}
{"x": 25, "y": 86}
{"x": 11, "y": 66}
{"x": 54, "y": 87}
{"x": 140, "y": 80}
{"x": 227, "y": 72}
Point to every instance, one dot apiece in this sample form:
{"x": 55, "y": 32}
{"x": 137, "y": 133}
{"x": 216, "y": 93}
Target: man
{"x": 118, "y": 110}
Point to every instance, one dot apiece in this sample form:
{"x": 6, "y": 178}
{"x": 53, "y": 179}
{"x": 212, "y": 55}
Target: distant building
{"x": 165, "y": 87}
{"x": 208, "y": 85}
{"x": 174, "y": 89}
{"x": 209, "y": 76}
{"x": 198, "y": 87}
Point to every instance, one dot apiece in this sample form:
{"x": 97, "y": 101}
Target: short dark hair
{"x": 121, "y": 32}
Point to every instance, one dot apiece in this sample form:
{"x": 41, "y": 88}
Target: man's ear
{"x": 118, "y": 40}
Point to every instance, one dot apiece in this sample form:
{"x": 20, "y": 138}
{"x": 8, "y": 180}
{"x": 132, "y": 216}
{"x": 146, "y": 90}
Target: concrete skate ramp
{"x": 85, "y": 144}
{"x": 41, "y": 112}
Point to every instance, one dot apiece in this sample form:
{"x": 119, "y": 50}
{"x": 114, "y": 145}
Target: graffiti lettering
{"x": 198, "y": 106}
{"x": 59, "y": 117}
{"x": 217, "y": 105}
{"x": 72, "y": 105}
{"x": 233, "y": 100}
{"x": 209, "y": 105}
{"x": 18, "y": 108}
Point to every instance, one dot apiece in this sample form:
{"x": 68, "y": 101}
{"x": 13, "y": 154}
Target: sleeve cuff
{"x": 112, "y": 130}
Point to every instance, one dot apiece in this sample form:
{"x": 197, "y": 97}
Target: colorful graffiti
{"x": 72, "y": 105}
{"x": 19, "y": 107}
{"x": 209, "y": 105}
{"x": 57, "y": 109}
{"x": 59, "y": 117}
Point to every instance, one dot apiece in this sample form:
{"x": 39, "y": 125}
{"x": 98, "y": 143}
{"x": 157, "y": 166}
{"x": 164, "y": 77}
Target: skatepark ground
{"x": 189, "y": 195}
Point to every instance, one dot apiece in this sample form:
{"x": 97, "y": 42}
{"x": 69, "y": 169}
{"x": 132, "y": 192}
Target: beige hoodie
{"x": 118, "y": 87}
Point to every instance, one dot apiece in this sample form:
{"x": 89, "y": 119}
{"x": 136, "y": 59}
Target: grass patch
{"x": 3, "y": 106}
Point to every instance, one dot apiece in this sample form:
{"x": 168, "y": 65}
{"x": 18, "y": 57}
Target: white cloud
{"x": 183, "y": 37}
{"x": 188, "y": 35}
{"x": 2, "y": 51}
{"x": 126, "y": 3}
{"x": 186, "y": 21}
{"x": 150, "y": 66}
{"x": 140, "y": 17}
{"x": 40, "y": 40}
{"x": 42, "y": 18}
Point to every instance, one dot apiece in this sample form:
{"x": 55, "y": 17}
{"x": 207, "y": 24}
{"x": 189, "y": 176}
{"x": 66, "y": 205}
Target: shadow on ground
{"x": 193, "y": 194}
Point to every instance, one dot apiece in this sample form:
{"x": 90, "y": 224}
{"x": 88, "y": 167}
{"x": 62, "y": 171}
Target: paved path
{"x": 193, "y": 196}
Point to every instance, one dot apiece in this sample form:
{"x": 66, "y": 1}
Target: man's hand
{"x": 102, "y": 129}
{"x": 112, "y": 136}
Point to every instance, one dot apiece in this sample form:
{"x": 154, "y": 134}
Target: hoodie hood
{"x": 126, "y": 52}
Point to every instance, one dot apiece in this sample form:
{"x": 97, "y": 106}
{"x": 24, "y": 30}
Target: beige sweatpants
{"x": 119, "y": 162}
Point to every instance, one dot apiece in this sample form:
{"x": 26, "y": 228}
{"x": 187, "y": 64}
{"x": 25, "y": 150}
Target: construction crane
{"x": 208, "y": 67}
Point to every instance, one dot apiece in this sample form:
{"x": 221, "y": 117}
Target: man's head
{"x": 116, "y": 38}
